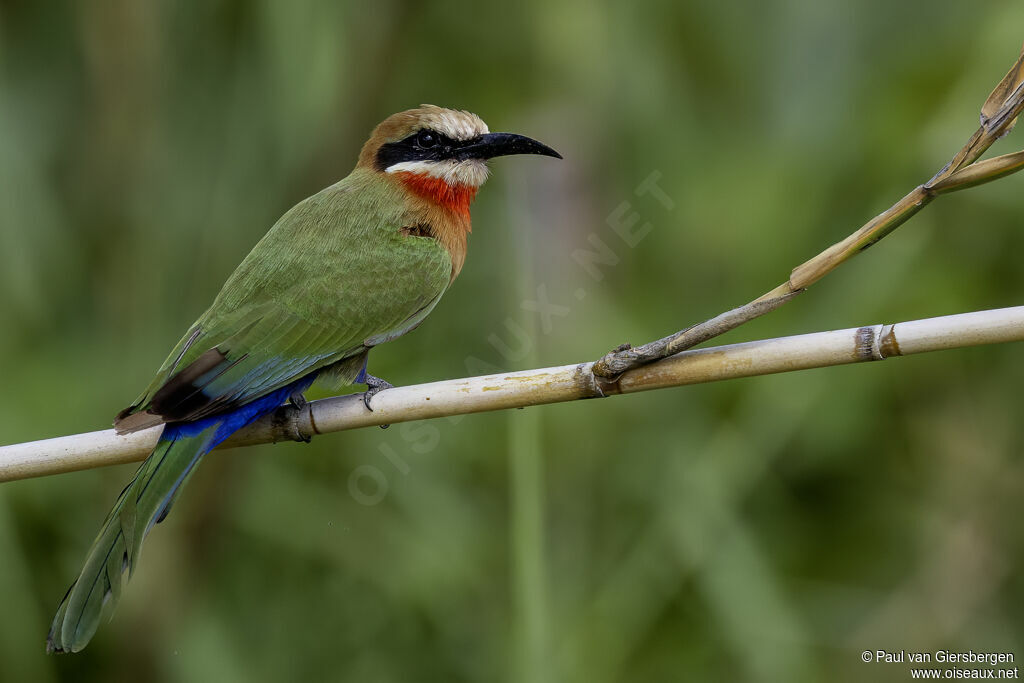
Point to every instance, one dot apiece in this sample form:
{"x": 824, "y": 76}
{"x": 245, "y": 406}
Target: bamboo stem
{"x": 541, "y": 386}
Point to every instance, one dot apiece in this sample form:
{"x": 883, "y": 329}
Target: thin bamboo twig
{"x": 998, "y": 116}
{"x": 541, "y": 386}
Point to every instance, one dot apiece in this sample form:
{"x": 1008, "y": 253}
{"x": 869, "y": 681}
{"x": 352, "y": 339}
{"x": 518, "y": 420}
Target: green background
{"x": 765, "y": 529}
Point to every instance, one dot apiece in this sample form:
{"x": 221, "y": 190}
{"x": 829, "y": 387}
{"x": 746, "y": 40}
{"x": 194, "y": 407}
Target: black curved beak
{"x": 490, "y": 145}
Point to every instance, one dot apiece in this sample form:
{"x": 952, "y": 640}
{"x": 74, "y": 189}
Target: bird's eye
{"x": 426, "y": 139}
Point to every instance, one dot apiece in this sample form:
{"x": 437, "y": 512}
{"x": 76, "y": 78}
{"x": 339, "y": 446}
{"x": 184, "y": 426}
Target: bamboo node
{"x": 867, "y": 343}
{"x": 890, "y": 345}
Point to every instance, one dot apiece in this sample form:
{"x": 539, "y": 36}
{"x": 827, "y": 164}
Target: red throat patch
{"x": 455, "y": 198}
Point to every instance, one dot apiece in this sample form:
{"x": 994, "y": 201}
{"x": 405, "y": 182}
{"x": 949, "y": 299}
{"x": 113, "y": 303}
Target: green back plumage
{"x": 332, "y": 278}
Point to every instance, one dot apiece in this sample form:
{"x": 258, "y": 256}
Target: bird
{"x": 358, "y": 264}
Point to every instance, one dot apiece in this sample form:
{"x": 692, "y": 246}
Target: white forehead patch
{"x": 456, "y": 124}
{"x": 470, "y": 172}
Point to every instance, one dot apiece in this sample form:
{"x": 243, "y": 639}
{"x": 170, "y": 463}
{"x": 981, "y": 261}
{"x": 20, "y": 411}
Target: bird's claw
{"x": 374, "y": 385}
{"x": 298, "y": 400}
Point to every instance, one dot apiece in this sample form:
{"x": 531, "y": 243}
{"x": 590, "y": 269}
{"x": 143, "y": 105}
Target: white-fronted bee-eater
{"x": 357, "y": 264}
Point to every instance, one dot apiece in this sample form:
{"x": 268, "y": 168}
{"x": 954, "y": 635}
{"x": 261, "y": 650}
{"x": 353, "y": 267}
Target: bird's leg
{"x": 298, "y": 400}
{"x": 373, "y": 385}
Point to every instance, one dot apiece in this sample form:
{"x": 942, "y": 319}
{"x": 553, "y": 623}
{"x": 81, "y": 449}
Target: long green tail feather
{"x": 144, "y": 502}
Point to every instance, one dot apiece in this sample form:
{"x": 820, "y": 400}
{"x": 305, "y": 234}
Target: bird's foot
{"x": 374, "y": 385}
{"x": 298, "y": 400}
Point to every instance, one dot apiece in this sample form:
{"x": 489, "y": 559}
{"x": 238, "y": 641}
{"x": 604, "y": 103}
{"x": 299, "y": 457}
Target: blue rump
{"x": 230, "y": 422}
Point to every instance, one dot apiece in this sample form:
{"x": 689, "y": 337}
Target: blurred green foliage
{"x": 766, "y": 529}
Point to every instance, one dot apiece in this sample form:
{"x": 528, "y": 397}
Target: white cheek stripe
{"x": 472, "y": 172}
